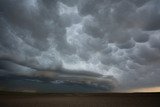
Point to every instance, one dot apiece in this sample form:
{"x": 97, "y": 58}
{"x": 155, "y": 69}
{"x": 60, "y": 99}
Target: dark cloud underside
{"x": 83, "y": 41}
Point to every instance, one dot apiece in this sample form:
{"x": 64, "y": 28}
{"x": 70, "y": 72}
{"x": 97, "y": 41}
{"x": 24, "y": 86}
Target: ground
{"x": 9, "y": 99}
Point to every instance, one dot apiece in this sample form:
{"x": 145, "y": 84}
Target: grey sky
{"x": 115, "y": 38}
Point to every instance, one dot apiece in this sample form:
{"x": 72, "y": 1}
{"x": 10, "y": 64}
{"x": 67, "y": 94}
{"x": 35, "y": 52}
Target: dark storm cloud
{"x": 126, "y": 24}
{"x": 71, "y": 37}
{"x": 149, "y": 14}
{"x": 154, "y": 41}
{"x": 77, "y": 76}
{"x": 43, "y": 85}
{"x": 34, "y": 24}
{"x": 69, "y": 2}
{"x": 25, "y": 30}
{"x": 59, "y": 82}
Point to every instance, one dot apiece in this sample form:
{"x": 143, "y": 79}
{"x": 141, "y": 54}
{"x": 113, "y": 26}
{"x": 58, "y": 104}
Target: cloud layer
{"x": 119, "y": 38}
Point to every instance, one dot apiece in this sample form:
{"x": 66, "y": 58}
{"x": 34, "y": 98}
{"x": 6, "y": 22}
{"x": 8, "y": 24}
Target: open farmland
{"x": 8, "y": 99}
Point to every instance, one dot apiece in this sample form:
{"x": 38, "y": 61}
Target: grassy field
{"x": 14, "y": 99}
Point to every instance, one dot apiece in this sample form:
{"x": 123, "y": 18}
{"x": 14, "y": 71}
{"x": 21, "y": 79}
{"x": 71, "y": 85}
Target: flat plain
{"x": 17, "y": 99}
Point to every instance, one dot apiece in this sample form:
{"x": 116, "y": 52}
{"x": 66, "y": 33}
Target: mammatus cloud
{"x": 119, "y": 38}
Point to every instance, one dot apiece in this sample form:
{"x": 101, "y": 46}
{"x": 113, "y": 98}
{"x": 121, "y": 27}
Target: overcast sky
{"x": 109, "y": 44}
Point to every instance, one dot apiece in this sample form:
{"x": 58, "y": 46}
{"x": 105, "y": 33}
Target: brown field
{"x": 8, "y": 99}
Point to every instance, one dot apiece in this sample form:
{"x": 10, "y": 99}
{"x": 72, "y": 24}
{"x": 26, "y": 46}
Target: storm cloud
{"x": 82, "y": 39}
